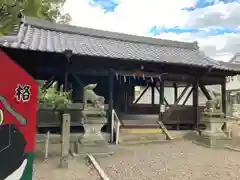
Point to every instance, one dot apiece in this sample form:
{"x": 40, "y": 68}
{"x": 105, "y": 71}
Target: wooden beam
{"x": 166, "y": 132}
{"x": 48, "y": 83}
{"x": 78, "y": 80}
{"x": 175, "y": 92}
{"x": 140, "y": 96}
{"x": 153, "y": 94}
{"x": 165, "y": 100}
{"x": 182, "y": 94}
{"x": 66, "y": 80}
{"x": 187, "y": 97}
{"x": 205, "y": 91}
{"x": 196, "y": 116}
{"x": 161, "y": 99}
{"x": 110, "y": 99}
{"x": 224, "y": 96}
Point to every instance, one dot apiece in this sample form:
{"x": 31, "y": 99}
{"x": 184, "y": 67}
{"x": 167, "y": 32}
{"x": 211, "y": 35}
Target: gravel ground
{"x": 48, "y": 170}
{"x": 172, "y": 161}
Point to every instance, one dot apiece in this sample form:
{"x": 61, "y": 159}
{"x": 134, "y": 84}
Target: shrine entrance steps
{"x": 141, "y": 135}
{"x": 143, "y": 132}
{"x": 135, "y": 132}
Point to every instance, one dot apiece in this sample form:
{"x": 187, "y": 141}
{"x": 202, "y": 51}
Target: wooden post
{"x": 65, "y": 140}
{"x": 110, "y": 101}
{"x": 68, "y": 54}
{"x": 224, "y": 96}
{"x": 153, "y": 94}
{"x": 161, "y": 100}
{"x": 77, "y": 90}
{"x": 66, "y": 80}
{"x": 46, "y": 142}
{"x": 196, "y": 115}
{"x": 175, "y": 92}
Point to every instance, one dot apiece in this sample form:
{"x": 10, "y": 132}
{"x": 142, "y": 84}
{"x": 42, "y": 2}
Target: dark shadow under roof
{"x": 41, "y": 35}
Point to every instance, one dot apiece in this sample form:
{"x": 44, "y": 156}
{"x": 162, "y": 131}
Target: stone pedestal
{"x": 92, "y": 142}
{"x": 213, "y": 136}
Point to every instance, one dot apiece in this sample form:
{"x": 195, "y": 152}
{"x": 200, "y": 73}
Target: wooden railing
{"x": 115, "y": 127}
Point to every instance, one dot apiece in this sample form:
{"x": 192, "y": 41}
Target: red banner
{"x": 18, "y": 107}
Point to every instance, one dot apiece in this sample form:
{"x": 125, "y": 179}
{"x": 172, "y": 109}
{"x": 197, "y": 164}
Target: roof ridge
{"x": 45, "y": 24}
{"x": 234, "y": 57}
{"x": 209, "y": 59}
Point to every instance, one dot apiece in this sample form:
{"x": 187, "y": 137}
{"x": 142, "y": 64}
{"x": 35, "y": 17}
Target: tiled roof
{"x": 41, "y": 35}
{"x": 233, "y": 59}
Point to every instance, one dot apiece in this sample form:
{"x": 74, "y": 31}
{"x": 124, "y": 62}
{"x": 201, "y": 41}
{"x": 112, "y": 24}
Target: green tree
{"x": 12, "y": 10}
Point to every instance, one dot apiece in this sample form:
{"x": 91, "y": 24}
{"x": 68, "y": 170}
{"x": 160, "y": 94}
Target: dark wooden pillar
{"x": 110, "y": 101}
{"x": 59, "y": 82}
{"x": 77, "y": 88}
{"x": 130, "y": 93}
{"x": 68, "y": 54}
{"x": 77, "y": 92}
{"x": 161, "y": 100}
{"x": 66, "y": 80}
{"x": 153, "y": 94}
{"x": 224, "y": 96}
{"x": 196, "y": 116}
{"x": 175, "y": 92}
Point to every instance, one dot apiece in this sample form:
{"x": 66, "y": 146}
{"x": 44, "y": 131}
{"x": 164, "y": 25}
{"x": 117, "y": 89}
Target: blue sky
{"x": 206, "y": 3}
{"x": 213, "y": 23}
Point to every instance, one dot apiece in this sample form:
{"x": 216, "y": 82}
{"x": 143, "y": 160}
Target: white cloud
{"x": 226, "y": 15}
{"x": 217, "y": 47}
{"x": 131, "y": 16}
{"x": 137, "y": 17}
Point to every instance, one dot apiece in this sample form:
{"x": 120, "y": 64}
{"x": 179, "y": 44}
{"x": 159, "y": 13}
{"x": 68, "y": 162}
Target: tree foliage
{"x": 12, "y": 10}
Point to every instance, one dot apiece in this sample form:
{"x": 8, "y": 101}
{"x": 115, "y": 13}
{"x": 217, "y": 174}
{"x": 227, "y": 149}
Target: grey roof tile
{"x": 42, "y": 35}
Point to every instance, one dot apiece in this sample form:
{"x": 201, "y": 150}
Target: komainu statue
{"x": 90, "y": 96}
{"x": 217, "y": 99}
{"x": 215, "y": 103}
{"x": 210, "y": 106}
{"x": 94, "y": 118}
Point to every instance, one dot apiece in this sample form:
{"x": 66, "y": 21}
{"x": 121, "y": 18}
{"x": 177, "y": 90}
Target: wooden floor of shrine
{"x": 150, "y": 121}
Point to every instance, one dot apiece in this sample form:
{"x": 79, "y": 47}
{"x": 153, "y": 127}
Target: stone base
{"x": 82, "y": 149}
{"x": 92, "y": 142}
{"x": 212, "y": 141}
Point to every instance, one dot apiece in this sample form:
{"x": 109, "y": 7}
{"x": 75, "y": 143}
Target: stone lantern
{"x": 213, "y": 119}
{"x": 94, "y": 118}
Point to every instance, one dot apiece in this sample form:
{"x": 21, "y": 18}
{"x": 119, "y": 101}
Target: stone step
{"x": 141, "y": 138}
{"x": 140, "y": 131}
{"x": 141, "y": 135}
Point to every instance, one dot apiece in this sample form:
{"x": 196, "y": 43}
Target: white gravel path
{"x": 48, "y": 170}
{"x": 172, "y": 161}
